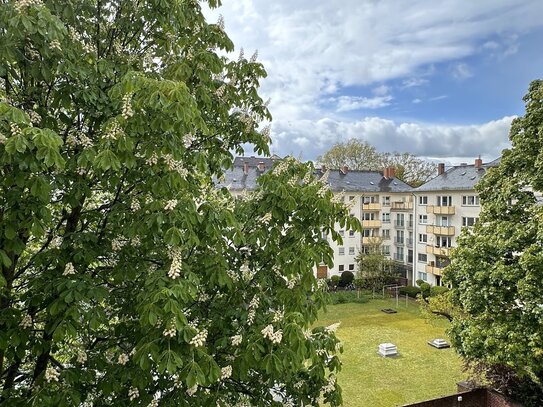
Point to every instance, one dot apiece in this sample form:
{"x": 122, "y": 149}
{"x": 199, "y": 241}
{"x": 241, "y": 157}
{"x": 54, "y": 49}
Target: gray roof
{"x": 365, "y": 181}
{"x": 459, "y": 177}
{"x": 353, "y": 181}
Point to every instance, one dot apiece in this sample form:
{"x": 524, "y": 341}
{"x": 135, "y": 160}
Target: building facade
{"x": 443, "y": 206}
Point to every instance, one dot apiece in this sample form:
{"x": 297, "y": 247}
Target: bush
{"x": 438, "y": 290}
{"x": 410, "y": 291}
{"x": 347, "y": 278}
{"x": 335, "y": 280}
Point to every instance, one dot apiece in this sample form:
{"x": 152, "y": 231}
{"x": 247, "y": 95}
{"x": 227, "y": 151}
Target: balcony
{"x": 371, "y": 240}
{"x": 430, "y": 268}
{"x": 371, "y": 223}
{"x": 400, "y": 224}
{"x": 398, "y": 257}
{"x": 438, "y": 251}
{"x": 371, "y": 207}
{"x": 409, "y": 242}
{"x": 440, "y": 230}
{"x": 440, "y": 210}
{"x": 401, "y": 206}
{"x": 399, "y": 241}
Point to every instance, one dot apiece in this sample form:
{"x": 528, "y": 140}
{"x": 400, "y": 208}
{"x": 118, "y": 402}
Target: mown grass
{"x": 420, "y": 372}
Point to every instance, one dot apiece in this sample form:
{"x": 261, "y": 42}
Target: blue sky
{"x": 442, "y": 80}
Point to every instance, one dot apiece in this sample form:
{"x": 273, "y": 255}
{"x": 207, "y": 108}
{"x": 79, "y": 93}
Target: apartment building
{"x": 443, "y": 206}
{"x": 383, "y": 203}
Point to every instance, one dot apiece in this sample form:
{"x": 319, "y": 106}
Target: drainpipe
{"x": 415, "y": 240}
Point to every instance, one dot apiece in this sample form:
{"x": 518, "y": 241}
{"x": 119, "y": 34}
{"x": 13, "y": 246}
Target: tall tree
{"x": 373, "y": 266}
{"x": 360, "y": 155}
{"x": 127, "y": 277}
{"x": 497, "y": 269}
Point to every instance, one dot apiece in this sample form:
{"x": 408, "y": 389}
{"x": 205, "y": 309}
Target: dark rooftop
{"x": 459, "y": 177}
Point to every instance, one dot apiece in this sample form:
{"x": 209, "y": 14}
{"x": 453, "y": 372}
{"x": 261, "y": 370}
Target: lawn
{"x": 420, "y": 372}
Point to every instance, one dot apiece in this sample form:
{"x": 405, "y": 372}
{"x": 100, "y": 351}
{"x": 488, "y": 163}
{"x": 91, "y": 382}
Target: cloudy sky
{"x": 440, "y": 79}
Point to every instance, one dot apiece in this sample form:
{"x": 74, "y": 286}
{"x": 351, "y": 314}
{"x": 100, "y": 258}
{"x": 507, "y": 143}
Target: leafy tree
{"x": 346, "y": 278}
{"x": 360, "y": 155}
{"x": 127, "y": 276}
{"x": 497, "y": 269}
{"x": 374, "y": 267}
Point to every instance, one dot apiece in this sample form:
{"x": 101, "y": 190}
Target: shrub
{"x": 335, "y": 280}
{"x": 410, "y": 291}
{"x": 344, "y": 297}
{"x": 437, "y": 290}
{"x": 347, "y": 278}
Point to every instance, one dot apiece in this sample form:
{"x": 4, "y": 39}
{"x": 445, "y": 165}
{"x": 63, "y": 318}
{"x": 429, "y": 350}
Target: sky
{"x": 439, "y": 79}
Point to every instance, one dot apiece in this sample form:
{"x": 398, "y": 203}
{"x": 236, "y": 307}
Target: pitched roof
{"x": 459, "y": 177}
{"x": 352, "y": 181}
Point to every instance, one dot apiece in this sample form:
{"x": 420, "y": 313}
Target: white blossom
{"x": 3, "y": 138}
{"x": 26, "y": 322}
{"x": 51, "y": 374}
{"x": 153, "y": 403}
{"x": 127, "y": 111}
{"x": 170, "y": 205}
{"x": 236, "y": 340}
{"x": 254, "y": 57}
{"x": 307, "y": 333}
{"x": 81, "y": 356}
{"x": 199, "y": 339}
{"x": 273, "y": 336}
{"x": 192, "y": 390}
{"x": 135, "y": 206}
{"x": 20, "y": 5}
{"x": 15, "y": 129}
{"x": 330, "y": 385}
{"x": 332, "y": 328}
{"x": 118, "y": 243}
{"x": 153, "y": 160}
{"x": 188, "y": 140}
{"x": 69, "y": 269}
{"x": 226, "y": 372}
{"x": 55, "y": 44}
{"x": 278, "y": 316}
{"x": 170, "y": 332}
{"x": 113, "y": 131}
{"x": 133, "y": 393}
{"x": 123, "y": 359}
{"x": 175, "y": 267}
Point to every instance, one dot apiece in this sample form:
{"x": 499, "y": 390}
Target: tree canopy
{"x": 127, "y": 276}
{"x": 497, "y": 269}
{"x": 360, "y": 155}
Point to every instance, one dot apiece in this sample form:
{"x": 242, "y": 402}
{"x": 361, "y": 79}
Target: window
{"x": 444, "y": 200}
{"x": 423, "y": 257}
{"x": 443, "y": 241}
{"x": 423, "y": 238}
{"x": 385, "y": 233}
{"x": 351, "y": 233}
{"x": 470, "y": 200}
{"x": 386, "y": 201}
{"x": 324, "y": 236}
{"x": 386, "y": 217}
{"x": 370, "y": 232}
{"x": 423, "y": 276}
{"x": 368, "y": 216}
{"x": 341, "y": 267}
{"x": 342, "y": 233}
{"x": 351, "y": 251}
{"x": 444, "y": 221}
{"x": 399, "y": 237}
{"x": 423, "y": 219}
{"x": 469, "y": 221}
{"x": 370, "y": 199}
{"x": 386, "y": 250}
{"x": 400, "y": 219}
{"x": 351, "y": 267}
{"x": 423, "y": 200}
{"x": 341, "y": 251}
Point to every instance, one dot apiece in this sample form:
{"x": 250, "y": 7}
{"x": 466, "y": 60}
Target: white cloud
{"x": 461, "y": 71}
{"x": 312, "y": 138}
{"x": 348, "y": 103}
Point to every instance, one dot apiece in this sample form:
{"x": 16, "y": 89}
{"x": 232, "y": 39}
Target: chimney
{"x": 344, "y": 169}
{"x": 261, "y": 166}
{"x": 440, "y": 168}
{"x": 389, "y": 172}
{"x": 478, "y": 163}
{"x": 246, "y": 168}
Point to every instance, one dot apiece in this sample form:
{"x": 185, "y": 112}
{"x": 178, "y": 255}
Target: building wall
{"x": 386, "y": 217}
{"x": 443, "y": 225}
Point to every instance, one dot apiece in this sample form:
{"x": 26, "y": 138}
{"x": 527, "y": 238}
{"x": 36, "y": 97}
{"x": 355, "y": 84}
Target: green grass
{"x": 421, "y": 372}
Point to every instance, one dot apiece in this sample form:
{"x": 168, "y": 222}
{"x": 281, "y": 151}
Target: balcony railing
{"x": 440, "y": 230}
{"x": 409, "y": 224}
{"x": 440, "y": 210}
{"x": 371, "y": 207}
{"x": 399, "y": 240}
{"x": 371, "y": 223}
{"x": 434, "y": 270}
{"x": 438, "y": 251}
{"x": 399, "y": 224}
{"x": 386, "y": 221}
{"x": 371, "y": 240}
{"x": 398, "y": 257}
{"x": 409, "y": 242}
{"x": 401, "y": 206}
